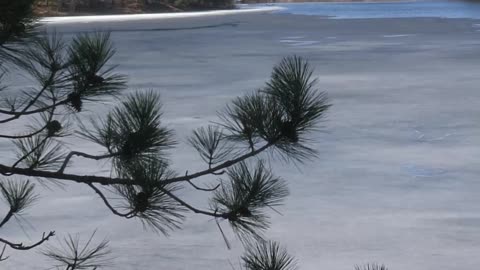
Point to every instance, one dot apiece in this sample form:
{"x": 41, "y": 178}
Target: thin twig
{"x": 3, "y": 253}
{"x": 193, "y": 209}
{"x": 219, "y": 173}
{"x": 40, "y": 110}
{"x": 80, "y": 154}
{"x": 105, "y": 200}
{"x": 17, "y": 115}
{"x": 7, "y": 217}
{"x": 20, "y": 246}
{"x": 203, "y": 189}
{"x": 199, "y": 188}
{"x": 17, "y": 137}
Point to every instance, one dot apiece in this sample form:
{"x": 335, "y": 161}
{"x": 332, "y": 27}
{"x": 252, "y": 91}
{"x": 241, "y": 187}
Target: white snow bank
{"x": 154, "y": 16}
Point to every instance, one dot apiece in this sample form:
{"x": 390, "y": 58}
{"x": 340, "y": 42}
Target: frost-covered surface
{"x": 396, "y": 181}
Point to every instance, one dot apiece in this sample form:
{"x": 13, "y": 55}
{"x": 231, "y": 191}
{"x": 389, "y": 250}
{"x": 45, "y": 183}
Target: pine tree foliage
{"x": 71, "y": 76}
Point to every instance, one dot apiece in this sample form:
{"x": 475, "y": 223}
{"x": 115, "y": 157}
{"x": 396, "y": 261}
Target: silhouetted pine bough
{"x": 267, "y": 255}
{"x": 246, "y": 195}
{"x": 278, "y": 120}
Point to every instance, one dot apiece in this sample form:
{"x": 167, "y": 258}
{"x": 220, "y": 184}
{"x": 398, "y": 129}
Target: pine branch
{"x": 17, "y": 115}
{"x": 102, "y": 180}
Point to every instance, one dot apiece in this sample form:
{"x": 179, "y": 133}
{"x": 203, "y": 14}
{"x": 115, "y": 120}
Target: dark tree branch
{"x": 105, "y": 200}
{"x": 6, "y": 170}
{"x": 20, "y": 246}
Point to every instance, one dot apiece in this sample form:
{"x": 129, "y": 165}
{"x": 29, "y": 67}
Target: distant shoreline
{"x": 45, "y": 13}
{"x": 323, "y": 1}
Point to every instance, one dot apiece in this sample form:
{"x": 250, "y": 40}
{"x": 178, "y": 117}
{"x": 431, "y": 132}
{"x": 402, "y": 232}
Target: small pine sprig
{"x": 243, "y": 119}
{"x": 211, "y": 144}
{"x": 90, "y": 74}
{"x": 133, "y": 131}
{"x": 267, "y": 255}
{"x": 18, "y": 194}
{"x": 292, "y": 87}
{"x": 72, "y": 254}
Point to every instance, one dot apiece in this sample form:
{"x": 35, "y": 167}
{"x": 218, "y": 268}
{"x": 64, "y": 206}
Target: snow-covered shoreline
{"x": 155, "y": 16}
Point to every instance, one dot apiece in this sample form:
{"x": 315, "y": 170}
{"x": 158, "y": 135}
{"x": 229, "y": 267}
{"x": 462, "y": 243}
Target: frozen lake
{"x": 396, "y": 181}
{"x": 400, "y": 9}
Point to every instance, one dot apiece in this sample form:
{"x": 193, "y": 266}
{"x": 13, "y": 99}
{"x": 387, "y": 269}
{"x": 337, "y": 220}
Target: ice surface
{"x": 396, "y": 180}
